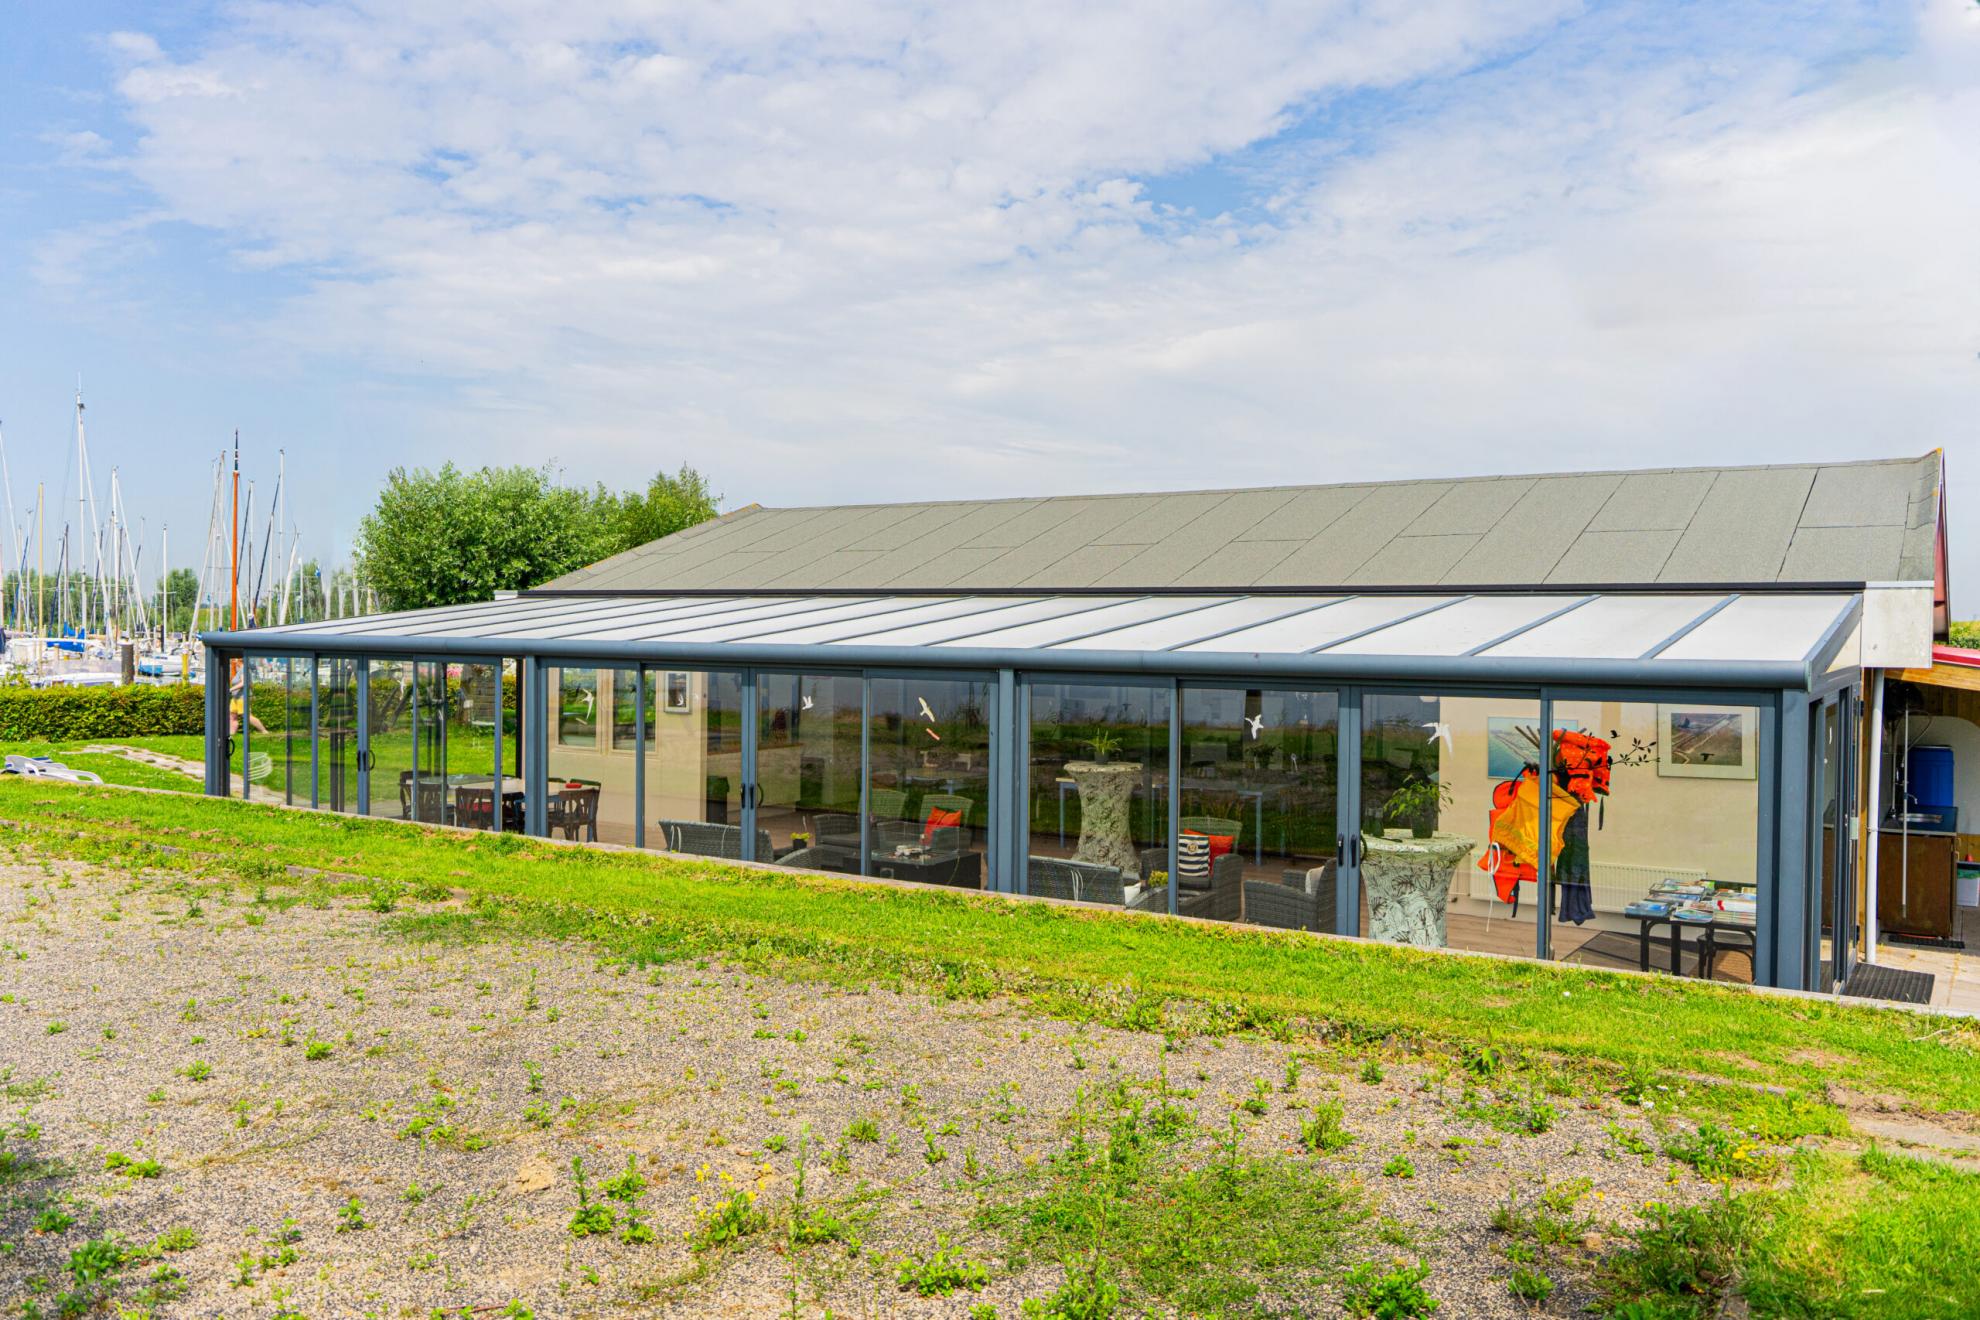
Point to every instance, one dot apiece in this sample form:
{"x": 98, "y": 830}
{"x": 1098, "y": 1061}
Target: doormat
{"x": 1895, "y": 984}
{"x": 1924, "y": 941}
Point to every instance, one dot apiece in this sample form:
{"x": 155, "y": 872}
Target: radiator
{"x": 1615, "y": 885}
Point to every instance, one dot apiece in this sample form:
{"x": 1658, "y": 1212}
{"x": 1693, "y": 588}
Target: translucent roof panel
{"x": 1103, "y": 618}
{"x": 801, "y": 613}
{"x": 1761, "y": 628}
{"x": 1455, "y": 629}
{"x": 1608, "y": 628}
{"x": 600, "y": 620}
{"x": 1198, "y": 624}
{"x": 1321, "y": 626}
{"x": 1002, "y": 614}
{"x": 857, "y": 629}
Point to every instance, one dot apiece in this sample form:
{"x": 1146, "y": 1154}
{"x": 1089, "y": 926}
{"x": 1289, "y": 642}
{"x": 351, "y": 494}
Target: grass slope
{"x": 1132, "y": 966}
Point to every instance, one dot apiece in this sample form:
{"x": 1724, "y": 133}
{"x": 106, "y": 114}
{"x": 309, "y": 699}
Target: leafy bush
{"x": 77, "y": 714}
{"x": 942, "y": 1271}
{"x": 1395, "y": 1294}
{"x": 1722, "y": 1155}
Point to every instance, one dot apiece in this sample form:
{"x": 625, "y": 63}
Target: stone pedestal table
{"x": 1408, "y": 884}
{"x": 1106, "y": 793}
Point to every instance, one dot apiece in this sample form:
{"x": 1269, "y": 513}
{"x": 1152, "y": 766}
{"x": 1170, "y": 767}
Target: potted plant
{"x": 1104, "y": 745}
{"x": 1416, "y": 805}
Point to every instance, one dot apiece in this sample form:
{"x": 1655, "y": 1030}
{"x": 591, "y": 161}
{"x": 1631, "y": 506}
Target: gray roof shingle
{"x": 1871, "y": 521}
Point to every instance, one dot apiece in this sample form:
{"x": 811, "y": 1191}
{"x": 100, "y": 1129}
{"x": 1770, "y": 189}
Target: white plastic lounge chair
{"x": 42, "y": 767}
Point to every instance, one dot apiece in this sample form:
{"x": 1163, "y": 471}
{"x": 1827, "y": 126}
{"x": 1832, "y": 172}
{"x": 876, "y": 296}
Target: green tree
{"x": 448, "y": 537}
{"x": 669, "y": 504}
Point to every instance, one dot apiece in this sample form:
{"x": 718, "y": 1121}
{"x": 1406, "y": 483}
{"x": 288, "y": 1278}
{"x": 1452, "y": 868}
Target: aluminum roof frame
{"x": 538, "y": 628}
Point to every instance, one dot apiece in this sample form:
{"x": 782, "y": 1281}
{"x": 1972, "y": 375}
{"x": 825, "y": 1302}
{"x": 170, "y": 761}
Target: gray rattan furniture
{"x": 1301, "y": 900}
{"x": 703, "y": 840}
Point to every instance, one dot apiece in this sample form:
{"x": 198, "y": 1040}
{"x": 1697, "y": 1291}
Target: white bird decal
{"x": 926, "y": 713}
{"x": 807, "y": 703}
{"x": 1256, "y": 722}
{"x": 1441, "y": 732}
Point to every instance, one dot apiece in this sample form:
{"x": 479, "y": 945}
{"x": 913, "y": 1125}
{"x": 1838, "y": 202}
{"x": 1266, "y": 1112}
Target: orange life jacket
{"x": 1513, "y": 851}
{"x": 1584, "y": 761}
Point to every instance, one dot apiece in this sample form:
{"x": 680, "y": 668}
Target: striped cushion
{"x": 1193, "y": 856}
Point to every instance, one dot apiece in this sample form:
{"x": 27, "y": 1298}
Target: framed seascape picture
{"x": 678, "y": 697}
{"x": 1707, "y": 742}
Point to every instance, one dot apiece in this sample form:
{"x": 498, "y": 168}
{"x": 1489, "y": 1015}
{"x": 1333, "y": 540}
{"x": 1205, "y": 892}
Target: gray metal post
{"x": 1544, "y": 867}
{"x": 752, "y": 727}
{"x": 639, "y": 757}
{"x": 865, "y": 771}
{"x": 1019, "y": 823}
{"x": 216, "y": 723}
{"x": 1175, "y": 784}
{"x": 361, "y": 675}
{"x": 1792, "y": 870}
{"x": 314, "y": 702}
{"x": 535, "y": 716}
{"x": 247, "y": 726}
{"x": 1001, "y": 806}
{"x": 501, "y": 716}
{"x": 1347, "y": 814}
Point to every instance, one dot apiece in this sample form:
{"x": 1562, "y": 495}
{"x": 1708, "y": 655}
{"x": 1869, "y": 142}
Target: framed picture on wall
{"x": 1707, "y": 742}
{"x": 677, "y": 698}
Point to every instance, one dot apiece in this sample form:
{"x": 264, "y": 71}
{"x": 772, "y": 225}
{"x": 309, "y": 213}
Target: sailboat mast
{"x": 234, "y": 561}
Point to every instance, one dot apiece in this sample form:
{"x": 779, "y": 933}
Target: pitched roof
{"x": 1828, "y": 523}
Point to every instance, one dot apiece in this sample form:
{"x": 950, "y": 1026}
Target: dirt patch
{"x": 345, "y": 1119}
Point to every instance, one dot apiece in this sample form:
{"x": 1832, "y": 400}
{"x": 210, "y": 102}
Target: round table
{"x": 1408, "y": 883}
{"x": 1106, "y": 792}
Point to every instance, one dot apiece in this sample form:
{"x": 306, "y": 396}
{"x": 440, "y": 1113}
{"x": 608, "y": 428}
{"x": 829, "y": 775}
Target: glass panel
{"x": 1662, "y": 805}
{"x": 1099, "y": 794}
{"x": 807, "y": 761}
{"x": 694, "y": 779}
{"x": 467, "y": 743}
{"x": 574, "y": 720}
{"x": 928, "y": 741}
{"x": 429, "y": 793}
{"x": 389, "y": 737}
{"x": 1260, "y": 783}
{"x": 590, "y": 788}
{"x": 1828, "y": 856}
{"x": 277, "y": 745}
{"x": 625, "y": 712}
{"x": 1449, "y": 801}
{"x": 336, "y": 734}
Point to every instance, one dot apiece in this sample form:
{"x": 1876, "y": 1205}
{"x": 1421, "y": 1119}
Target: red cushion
{"x": 939, "y": 819}
{"x": 1219, "y": 843}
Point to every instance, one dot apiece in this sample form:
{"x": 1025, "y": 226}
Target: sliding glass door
{"x": 806, "y": 797}
{"x": 1259, "y": 836}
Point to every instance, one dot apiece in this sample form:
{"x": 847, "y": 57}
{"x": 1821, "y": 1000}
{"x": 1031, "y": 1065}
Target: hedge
{"x": 59, "y": 714}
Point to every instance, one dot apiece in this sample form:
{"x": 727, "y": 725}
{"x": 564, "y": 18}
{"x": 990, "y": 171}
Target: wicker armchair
{"x": 886, "y": 803}
{"x": 1302, "y": 900}
{"x": 1053, "y": 877}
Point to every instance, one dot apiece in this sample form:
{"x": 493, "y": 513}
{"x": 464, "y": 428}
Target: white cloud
{"x": 903, "y": 250}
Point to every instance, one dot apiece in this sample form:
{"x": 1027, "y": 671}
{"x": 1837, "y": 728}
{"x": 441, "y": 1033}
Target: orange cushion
{"x": 1219, "y": 843}
{"x": 939, "y": 819}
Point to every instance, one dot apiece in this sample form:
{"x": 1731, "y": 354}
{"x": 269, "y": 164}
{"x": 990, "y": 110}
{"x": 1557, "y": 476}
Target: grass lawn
{"x": 1850, "y": 1219}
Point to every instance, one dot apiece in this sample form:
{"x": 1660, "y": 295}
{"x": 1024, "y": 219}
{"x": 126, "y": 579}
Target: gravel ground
{"x": 278, "y": 1060}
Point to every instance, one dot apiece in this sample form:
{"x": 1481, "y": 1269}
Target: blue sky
{"x": 901, "y": 251}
